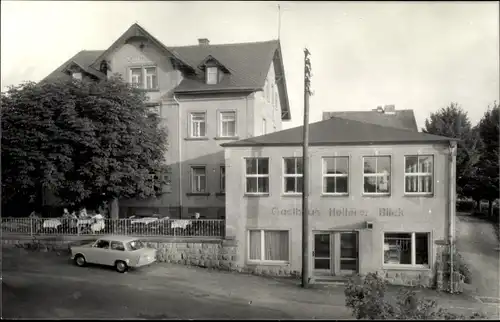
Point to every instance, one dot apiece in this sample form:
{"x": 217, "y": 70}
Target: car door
{"x": 117, "y": 251}
{"x": 100, "y": 252}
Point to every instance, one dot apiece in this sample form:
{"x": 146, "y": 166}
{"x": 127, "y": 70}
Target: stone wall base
{"x": 422, "y": 278}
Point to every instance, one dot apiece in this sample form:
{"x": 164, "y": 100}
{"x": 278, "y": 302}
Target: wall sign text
{"x": 339, "y": 212}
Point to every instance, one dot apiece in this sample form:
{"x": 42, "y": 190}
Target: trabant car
{"x": 122, "y": 252}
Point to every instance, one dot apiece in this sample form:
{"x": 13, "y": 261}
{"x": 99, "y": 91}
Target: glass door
{"x": 348, "y": 253}
{"x": 322, "y": 259}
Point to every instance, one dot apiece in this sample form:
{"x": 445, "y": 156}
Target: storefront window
{"x": 268, "y": 245}
{"x": 406, "y": 248}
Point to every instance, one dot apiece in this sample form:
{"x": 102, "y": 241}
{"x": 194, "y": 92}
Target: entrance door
{"x": 322, "y": 254}
{"x": 346, "y": 254}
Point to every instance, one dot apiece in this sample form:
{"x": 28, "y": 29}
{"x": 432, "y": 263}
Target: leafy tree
{"x": 453, "y": 122}
{"x": 87, "y": 142}
{"x": 488, "y": 164}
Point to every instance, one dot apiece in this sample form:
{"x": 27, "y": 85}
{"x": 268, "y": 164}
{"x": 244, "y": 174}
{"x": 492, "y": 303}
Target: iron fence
{"x": 213, "y": 228}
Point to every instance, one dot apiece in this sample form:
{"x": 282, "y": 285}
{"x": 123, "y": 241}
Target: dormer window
{"x": 77, "y": 75}
{"x": 212, "y": 75}
{"x": 214, "y": 70}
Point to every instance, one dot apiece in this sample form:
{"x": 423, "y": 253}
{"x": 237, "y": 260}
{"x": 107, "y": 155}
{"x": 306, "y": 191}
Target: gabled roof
{"x": 137, "y": 31}
{"x": 83, "y": 59}
{"x": 402, "y": 119}
{"x": 248, "y": 65}
{"x": 339, "y": 131}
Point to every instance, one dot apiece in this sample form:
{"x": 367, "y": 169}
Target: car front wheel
{"x": 121, "y": 266}
{"x": 80, "y": 260}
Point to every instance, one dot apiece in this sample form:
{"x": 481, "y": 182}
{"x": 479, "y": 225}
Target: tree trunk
{"x": 490, "y": 208}
{"x": 114, "y": 210}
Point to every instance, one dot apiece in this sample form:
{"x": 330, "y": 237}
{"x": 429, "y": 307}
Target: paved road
{"x": 478, "y": 244}
{"x": 43, "y": 285}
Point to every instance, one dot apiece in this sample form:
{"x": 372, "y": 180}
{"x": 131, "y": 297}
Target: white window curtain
{"x": 276, "y": 245}
{"x": 269, "y": 245}
{"x": 255, "y": 245}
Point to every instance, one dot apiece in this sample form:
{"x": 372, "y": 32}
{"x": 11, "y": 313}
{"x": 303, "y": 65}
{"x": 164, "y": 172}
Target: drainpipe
{"x": 179, "y": 137}
{"x": 452, "y": 190}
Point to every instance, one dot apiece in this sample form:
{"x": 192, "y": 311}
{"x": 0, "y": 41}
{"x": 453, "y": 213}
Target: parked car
{"x": 122, "y": 252}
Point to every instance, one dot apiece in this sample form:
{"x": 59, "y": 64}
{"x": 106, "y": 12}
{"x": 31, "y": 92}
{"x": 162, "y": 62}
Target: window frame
{"x": 263, "y": 244}
{"x": 140, "y": 84}
{"x": 220, "y": 130}
{"x": 192, "y": 178}
{"x": 268, "y": 176}
{"x": 145, "y": 77}
{"x": 419, "y": 174}
{"x": 207, "y": 68}
{"x": 102, "y": 240}
{"x": 117, "y": 242}
{"x": 335, "y": 175}
{"x": 413, "y": 250}
{"x": 376, "y": 174}
{"x": 77, "y": 75}
{"x": 191, "y": 124}
{"x": 288, "y": 175}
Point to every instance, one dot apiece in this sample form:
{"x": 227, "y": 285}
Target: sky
{"x": 415, "y": 55}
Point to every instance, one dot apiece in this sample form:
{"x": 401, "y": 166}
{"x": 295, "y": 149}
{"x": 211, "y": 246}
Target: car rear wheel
{"x": 121, "y": 266}
{"x": 80, "y": 260}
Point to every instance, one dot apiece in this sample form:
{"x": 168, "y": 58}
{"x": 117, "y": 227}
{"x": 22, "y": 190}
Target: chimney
{"x": 389, "y": 109}
{"x": 378, "y": 109}
{"x": 203, "y": 41}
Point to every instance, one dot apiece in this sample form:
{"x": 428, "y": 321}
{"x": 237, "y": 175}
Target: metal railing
{"x": 213, "y": 228}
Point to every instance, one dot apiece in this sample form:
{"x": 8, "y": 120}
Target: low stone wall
{"x": 215, "y": 253}
{"x": 221, "y": 254}
{"x": 272, "y": 270}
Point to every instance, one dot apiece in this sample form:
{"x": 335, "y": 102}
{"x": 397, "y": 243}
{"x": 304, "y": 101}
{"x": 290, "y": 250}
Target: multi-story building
{"x": 381, "y": 199}
{"x": 207, "y": 95}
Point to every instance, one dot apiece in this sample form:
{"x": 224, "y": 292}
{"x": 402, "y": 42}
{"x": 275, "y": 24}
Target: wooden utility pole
{"x": 305, "y": 169}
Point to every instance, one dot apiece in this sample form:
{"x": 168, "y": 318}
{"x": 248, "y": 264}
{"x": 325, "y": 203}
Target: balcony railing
{"x": 212, "y": 228}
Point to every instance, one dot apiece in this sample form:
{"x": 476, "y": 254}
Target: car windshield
{"x": 135, "y": 245}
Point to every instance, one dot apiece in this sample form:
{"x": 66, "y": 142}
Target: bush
{"x": 366, "y": 298}
{"x": 459, "y": 265}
